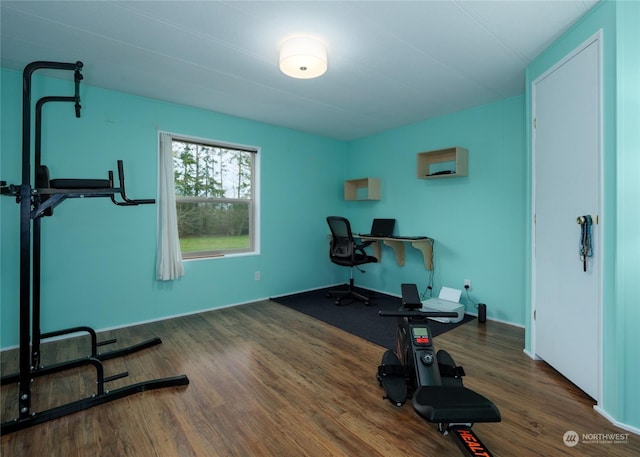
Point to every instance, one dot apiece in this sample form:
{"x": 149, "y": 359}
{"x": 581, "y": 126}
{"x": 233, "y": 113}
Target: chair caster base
{"x": 345, "y": 297}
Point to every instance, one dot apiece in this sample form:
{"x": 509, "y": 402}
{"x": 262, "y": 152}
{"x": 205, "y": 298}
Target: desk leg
{"x": 377, "y": 252}
{"x": 398, "y": 248}
{"x": 426, "y": 247}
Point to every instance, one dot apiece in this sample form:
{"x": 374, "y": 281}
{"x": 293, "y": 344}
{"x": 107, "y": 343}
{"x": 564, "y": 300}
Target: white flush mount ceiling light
{"x": 303, "y": 57}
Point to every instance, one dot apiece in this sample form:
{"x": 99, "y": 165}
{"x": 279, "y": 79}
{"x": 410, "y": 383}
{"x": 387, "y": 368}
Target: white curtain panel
{"x": 169, "y": 257}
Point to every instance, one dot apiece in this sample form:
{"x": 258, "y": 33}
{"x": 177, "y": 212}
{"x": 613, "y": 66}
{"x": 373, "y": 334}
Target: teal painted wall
{"x": 477, "y": 221}
{"x": 99, "y": 259}
{"x": 626, "y": 366}
{"x": 619, "y": 23}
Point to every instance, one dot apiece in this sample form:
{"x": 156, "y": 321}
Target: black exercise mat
{"x": 356, "y": 318}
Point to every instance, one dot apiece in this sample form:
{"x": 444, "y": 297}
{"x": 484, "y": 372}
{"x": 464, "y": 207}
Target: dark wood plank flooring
{"x": 269, "y": 381}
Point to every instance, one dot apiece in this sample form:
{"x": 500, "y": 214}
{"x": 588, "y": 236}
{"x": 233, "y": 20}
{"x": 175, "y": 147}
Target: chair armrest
{"x": 360, "y": 246}
{"x": 364, "y": 244}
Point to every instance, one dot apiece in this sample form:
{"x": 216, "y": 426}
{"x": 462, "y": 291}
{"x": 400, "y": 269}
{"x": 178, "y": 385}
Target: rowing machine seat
{"x": 453, "y": 404}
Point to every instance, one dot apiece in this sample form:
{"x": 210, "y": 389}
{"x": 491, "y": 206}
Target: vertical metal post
{"x": 24, "y": 395}
{"x": 26, "y": 364}
{"x": 36, "y": 331}
{"x": 24, "y": 380}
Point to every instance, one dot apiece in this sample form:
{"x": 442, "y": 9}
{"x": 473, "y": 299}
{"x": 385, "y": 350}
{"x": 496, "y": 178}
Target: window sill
{"x": 219, "y": 256}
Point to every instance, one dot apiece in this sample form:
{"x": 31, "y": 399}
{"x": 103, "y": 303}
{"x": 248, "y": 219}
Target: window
{"x": 215, "y": 197}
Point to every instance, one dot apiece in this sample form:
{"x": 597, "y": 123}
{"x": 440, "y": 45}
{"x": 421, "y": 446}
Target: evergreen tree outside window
{"x": 215, "y": 198}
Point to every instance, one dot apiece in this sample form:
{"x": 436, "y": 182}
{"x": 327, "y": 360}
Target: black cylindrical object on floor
{"x": 482, "y": 312}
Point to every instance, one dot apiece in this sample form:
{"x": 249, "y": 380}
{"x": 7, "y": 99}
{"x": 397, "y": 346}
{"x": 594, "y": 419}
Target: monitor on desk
{"x": 381, "y": 228}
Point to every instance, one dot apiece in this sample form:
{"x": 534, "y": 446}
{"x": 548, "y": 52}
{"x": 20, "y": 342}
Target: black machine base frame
{"x": 36, "y": 202}
{"x": 89, "y": 402}
{"x": 39, "y": 370}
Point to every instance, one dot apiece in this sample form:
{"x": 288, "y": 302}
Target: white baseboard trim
{"x": 531, "y": 355}
{"x": 133, "y": 324}
{"x": 621, "y": 425}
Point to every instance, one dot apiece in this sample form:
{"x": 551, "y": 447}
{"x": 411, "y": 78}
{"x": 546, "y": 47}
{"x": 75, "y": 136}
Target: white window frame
{"x": 254, "y": 202}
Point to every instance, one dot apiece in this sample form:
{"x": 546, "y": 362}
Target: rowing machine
{"x": 431, "y": 379}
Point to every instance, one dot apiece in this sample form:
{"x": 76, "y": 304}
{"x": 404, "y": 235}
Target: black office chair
{"x": 344, "y": 251}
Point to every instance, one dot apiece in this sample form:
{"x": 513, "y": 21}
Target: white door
{"x": 566, "y": 179}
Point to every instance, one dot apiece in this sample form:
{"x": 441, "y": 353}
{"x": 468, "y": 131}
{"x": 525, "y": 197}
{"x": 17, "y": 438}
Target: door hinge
{"x": 534, "y": 314}
{"x": 535, "y": 122}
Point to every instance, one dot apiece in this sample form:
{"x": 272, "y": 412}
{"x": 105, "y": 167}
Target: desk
{"x": 424, "y": 245}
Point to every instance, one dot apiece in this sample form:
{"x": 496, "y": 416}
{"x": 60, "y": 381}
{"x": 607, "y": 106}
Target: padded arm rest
{"x": 43, "y": 181}
{"x": 80, "y": 184}
{"x": 453, "y": 404}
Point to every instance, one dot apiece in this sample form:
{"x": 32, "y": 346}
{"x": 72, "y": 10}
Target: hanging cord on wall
{"x": 466, "y": 289}
{"x": 586, "y": 247}
{"x": 429, "y": 289}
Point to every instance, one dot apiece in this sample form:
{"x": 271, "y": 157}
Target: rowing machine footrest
{"x": 393, "y": 378}
{"x": 453, "y": 404}
{"x": 451, "y": 373}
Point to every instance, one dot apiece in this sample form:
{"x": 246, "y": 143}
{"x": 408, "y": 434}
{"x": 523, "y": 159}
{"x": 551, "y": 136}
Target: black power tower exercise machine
{"x": 431, "y": 379}
{"x": 37, "y": 202}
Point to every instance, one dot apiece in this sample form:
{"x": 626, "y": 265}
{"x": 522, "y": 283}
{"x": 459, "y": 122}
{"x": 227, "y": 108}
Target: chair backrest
{"x": 342, "y": 244}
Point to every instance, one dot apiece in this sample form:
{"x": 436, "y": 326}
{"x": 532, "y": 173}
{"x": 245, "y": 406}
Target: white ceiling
{"x": 391, "y": 63}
